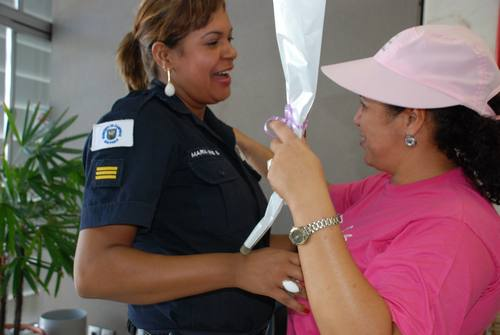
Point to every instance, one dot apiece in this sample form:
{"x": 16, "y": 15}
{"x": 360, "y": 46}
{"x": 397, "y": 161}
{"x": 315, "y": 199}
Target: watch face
{"x": 298, "y": 236}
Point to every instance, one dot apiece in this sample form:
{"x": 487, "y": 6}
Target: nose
{"x": 230, "y": 52}
{"x": 357, "y": 117}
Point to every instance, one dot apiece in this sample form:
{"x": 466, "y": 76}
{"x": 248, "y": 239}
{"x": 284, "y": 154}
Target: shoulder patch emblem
{"x": 113, "y": 134}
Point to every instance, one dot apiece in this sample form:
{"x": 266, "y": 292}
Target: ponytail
{"x": 130, "y": 64}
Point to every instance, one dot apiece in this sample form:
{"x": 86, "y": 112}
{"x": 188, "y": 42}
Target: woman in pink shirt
{"x": 414, "y": 249}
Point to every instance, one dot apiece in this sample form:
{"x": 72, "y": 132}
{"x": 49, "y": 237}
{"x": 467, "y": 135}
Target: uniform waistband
{"x": 133, "y": 330}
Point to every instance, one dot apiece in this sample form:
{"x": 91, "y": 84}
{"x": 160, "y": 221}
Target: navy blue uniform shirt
{"x": 151, "y": 163}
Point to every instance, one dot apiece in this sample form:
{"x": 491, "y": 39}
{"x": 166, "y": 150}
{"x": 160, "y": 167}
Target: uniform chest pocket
{"x": 216, "y": 187}
{"x": 213, "y": 171}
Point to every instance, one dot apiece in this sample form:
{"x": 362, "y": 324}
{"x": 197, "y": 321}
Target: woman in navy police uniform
{"x": 168, "y": 201}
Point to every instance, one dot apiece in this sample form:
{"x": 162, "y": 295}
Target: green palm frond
{"x": 40, "y": 197}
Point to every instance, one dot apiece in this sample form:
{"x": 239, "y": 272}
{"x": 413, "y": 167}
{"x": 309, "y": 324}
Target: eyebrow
{"x": 218, "y": 33}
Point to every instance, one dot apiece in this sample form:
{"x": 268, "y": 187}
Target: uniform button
{"x": 222, "y": 173}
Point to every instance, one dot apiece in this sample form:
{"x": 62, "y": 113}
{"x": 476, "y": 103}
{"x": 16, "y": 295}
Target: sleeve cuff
{"x": 130, "y": 213}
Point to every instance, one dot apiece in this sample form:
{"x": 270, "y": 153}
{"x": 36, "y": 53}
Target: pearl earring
{"x": 410, "y": 141}
{"x": 169, "y": 88}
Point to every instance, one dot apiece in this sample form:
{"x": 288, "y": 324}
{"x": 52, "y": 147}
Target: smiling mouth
{"x": 222, "y": 74}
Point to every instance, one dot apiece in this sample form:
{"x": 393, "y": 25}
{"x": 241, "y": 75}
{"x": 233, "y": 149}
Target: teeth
{"x": 222, "y": 73}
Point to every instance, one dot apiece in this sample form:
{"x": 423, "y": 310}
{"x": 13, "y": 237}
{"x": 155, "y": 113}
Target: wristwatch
{"x": 300, "y": 235}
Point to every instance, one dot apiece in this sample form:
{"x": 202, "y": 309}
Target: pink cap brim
{"x": 370, "y": 79}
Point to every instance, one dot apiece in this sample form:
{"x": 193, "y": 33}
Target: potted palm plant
{"x": 40, "y": 194}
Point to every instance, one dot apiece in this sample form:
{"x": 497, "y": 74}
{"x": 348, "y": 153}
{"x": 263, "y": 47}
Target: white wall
{"x": 480, "y": 16}
{"x": 84, "y": 78}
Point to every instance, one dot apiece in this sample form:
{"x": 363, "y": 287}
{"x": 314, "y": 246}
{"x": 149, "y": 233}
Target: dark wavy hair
{"x": 472, "y": 142}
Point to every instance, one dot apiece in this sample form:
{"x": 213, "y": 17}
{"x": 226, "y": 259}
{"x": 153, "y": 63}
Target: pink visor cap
{"x": 430, "y": 66}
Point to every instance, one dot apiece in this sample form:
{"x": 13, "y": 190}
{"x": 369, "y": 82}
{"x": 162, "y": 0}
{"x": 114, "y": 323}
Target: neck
{"x": 422, "y": 164}
{"x": 196, "y": 108}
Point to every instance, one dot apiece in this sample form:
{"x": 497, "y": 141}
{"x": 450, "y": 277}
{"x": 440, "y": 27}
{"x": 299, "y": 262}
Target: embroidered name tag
{"x": 204, "y": 152}
{"x": 113, "y": 134}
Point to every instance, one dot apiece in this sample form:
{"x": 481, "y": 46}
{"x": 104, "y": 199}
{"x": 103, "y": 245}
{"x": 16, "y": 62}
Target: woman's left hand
{"x": 296, "y": 173}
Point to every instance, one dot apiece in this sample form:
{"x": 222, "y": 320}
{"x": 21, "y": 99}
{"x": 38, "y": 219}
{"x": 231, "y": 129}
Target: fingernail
{"x": 306, "y": 309}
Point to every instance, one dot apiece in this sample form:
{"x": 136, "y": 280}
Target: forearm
{"x": 256, "y": 154}
{"x": 282, "y": 242}
{"x": 342, "y": 300}
{"x": 135, "y": 277}
{"x": 108, "y": 267}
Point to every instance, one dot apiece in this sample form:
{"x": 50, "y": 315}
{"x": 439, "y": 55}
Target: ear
{"x": 414, "y": 120}
{"x": 162, "y": 55}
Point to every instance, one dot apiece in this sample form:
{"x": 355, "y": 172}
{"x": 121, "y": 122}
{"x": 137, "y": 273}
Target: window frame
{"x": 17, "y": 21}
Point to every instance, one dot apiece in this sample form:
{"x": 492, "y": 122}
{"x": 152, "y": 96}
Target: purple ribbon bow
{"x": 288, "y": 120}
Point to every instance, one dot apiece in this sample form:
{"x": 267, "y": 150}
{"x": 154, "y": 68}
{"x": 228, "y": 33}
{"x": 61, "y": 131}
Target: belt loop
{"x": 132, "y": 330}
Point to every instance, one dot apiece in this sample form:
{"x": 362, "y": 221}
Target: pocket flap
{"x": 213, "y": 170}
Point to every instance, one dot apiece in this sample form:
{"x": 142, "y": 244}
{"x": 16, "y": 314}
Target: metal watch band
{"x": 323, "y": 223}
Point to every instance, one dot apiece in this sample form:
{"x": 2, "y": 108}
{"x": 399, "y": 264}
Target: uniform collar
{"x": 174, "y": 102}
{"x": 210, "y": 122}
{"x": 220, "y": 128}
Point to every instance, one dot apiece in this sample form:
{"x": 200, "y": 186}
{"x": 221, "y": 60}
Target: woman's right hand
{"x": 296, "y": 173}
{"x": 262, "y": 272}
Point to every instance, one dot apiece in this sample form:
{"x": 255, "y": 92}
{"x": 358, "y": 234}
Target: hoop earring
{"x": 410, "y": 141}
{"x": 169, "y": 88}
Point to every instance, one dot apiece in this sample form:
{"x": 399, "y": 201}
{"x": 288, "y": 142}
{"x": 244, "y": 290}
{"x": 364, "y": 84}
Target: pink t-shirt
{"x": 431, "y": 249}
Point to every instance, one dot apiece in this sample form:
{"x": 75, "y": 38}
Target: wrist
{"x": 236, "y": 269}
{"x": 311, "y": 207}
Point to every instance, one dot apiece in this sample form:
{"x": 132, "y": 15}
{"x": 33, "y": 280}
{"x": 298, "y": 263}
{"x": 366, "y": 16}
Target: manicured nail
{"x": 306, "y": 310}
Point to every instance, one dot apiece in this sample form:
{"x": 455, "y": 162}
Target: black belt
{"x": 133, "y": 330}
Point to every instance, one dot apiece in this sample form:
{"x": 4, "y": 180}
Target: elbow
{"x": 83, "y": 284}
{"x": 81, "y": 289}
{"x": 84, "y": 280}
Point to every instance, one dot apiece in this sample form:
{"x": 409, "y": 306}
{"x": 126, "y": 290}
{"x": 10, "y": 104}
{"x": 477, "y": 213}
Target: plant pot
{"x": 25, "y": 329}
{"x": 64, "y": 322}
